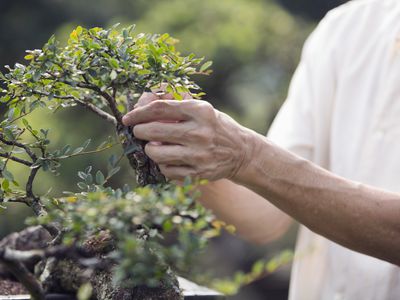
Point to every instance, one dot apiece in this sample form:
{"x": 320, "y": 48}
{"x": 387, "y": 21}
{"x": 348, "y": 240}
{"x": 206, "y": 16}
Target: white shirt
{"x": 343, "y": 113}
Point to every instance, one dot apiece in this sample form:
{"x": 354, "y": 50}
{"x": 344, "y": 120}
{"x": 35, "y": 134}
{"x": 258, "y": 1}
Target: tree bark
{"x": 147, "y": 171}
{"x": 55, "y": 275}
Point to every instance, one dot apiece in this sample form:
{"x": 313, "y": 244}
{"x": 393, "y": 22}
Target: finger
{"x": 156, "y": 110}
{"x": 167, "y": 154}
{"x": 146, "y": 98}
{"x": 160, "y": 132}
{"x": 177, "y": 172}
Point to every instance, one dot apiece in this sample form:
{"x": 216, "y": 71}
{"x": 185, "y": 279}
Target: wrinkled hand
{"x": 190, "y": 138}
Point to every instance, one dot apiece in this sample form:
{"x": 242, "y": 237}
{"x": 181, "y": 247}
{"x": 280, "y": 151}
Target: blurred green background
{"x": 255, "y": 46}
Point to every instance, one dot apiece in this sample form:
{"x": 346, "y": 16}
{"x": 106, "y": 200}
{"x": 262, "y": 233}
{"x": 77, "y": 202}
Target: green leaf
{"x": 205, "y": 66}
{"x": 65, "y": 150}
{"x": 10, "y": 114}
{"x": 89, "y": 179}
{"x": 100, "y": 178}
{"x": 168, "y": 226}
{"x": 9, "y": 134}
{"x": 5, "y": 184}
{"x": 77, "y": 151}
{"x": 82, "y": 185}
{"x": 79, "y": 30}
{"x": 7, "y": 175}
{"x": 85, "y": 291}
{"x": 112, "y": 161}
{"x": 86, "y": 144}
{"x": 113, "y": 75}
{"x": 258, "y": 268}
{"x": 113, "y": 63}
{"x": 113, "y": 171}
{"x": 82, "y": 175}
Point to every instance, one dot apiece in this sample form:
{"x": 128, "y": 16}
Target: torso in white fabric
{"x": 343, "y": 113}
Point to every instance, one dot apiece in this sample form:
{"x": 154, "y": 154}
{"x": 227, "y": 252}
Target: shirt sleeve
{"x": 303, "y": 123}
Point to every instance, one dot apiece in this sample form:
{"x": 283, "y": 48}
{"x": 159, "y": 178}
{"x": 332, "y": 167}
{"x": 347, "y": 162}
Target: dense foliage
{"x": 104, "y": 72}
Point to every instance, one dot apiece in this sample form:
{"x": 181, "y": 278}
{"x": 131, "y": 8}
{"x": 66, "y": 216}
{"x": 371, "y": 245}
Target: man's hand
{"x": 190, "y": 138}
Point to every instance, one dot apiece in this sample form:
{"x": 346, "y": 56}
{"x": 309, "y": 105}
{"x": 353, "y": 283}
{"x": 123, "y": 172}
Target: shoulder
{"x": 359, "y": 9}
{"x": 349, "y": 22}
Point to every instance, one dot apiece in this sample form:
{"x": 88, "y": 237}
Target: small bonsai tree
{"x": 99, "y": 241}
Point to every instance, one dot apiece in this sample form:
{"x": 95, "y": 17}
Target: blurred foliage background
{"x": 255, "y": 46}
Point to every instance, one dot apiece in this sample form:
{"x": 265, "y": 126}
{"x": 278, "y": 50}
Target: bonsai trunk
{"x": 147, "y": 171}
{"x": 66, "y": 275}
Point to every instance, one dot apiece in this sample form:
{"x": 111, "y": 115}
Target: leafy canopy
{"x": 104, "y": 71}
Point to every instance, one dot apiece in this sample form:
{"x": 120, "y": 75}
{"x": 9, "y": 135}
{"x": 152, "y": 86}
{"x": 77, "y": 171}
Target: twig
{"x": 40, "y": 93}
{"x": 110, "y": 100}
{"x": 19, "y": 145}
{"x": 35, "y": 255}
{"x": 85, "y": 104}
{"x": 87, "y": 85}
{"x": 35, "y": 203}
{"x": 16, "y": 159}
{"x": 106, "y": 116}
{"x": 38, "y": 209}
{"x": 83, "y": 153}
{"x": 20, "y": 117}
{"x": 22, "y": 199}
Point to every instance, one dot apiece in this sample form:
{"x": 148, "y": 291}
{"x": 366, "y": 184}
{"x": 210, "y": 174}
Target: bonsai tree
{"x": 98, "y": 241}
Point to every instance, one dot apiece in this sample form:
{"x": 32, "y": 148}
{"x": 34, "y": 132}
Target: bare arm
{"x": 255, "y": 219}
{"x": 357, "y": 216}
{"x": 208, "y": 144}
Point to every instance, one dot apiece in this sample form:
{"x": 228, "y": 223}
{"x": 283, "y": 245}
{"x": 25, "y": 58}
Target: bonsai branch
{"x": 29, "y": 184}
{"x": 110, "y": 100}
{"x": 16, "y": 159}
{"x": 26, "y": 278}
{"x": 85, "y": 103}
{"x": 102, "y": 114}
{"x": 28, "y": 151}
{"x": 17, "y": 262}
{"x": 36, "y": 255}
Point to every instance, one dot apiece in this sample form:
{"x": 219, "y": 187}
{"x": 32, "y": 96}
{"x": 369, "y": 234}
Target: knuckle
{"x": 157, "y": 106}
{"x": 206, "y": 108}
{"x": 146, "y": 98}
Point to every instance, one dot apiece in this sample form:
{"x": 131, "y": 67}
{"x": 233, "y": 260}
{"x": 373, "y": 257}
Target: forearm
{"x": 357, "y": 216}
{"x": 255, "y": 219}
{"x": 206, "y": 143}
